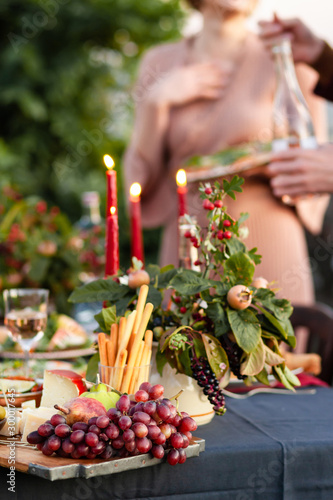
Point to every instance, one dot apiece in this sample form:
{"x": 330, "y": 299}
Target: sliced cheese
{"x": 57, "y": 390}
{"x": 33, "y": 418}
{"x": 28, "y": 404}
{"x": 12, "y": 425}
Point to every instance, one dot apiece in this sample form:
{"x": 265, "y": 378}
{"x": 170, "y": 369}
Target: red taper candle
{"x": 111, "y": 184}
{"x": 135, "y": 219}
{"x": 182, "y": 192}
{"x": 112, "y": 243}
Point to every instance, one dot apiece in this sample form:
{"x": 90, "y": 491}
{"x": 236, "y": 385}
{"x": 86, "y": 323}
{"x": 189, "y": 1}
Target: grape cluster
{"x": 234, "y": 353}
{"x": 206, "y": 378}
{"x": 150, "y": 423}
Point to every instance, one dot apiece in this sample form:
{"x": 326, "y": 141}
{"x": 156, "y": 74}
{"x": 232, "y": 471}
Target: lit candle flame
{"x": 108, "y": 161}
{"x": 181, "y": 178}
{"x": 135, "y": 189}
{"x": 112, "y": 210}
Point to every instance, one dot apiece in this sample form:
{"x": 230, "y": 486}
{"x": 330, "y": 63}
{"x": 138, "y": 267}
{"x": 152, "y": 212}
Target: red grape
{"x": 112, "y": 431}
{"x": 153, "y": 432}
{"x": 62, "y": 430}
{"x": 77, "y": 436}
{"x": 143, "y": 444}
{"x": 130, "y": 446}
{"x": 149, "y": 407}
{"x": 163, "y": 411}
{"x": 94, "y": 429}
{"x": 125, "y": 422}
{"x": 173, "y": 457}
{"x": 113, "y": 414}
{"x": 46, "y": 450}
{"x": 92, "y": 421}
{"x": 141, "y": 416}
{"x": 45, "y": 430}
{"x": 54, "y": 442}
{"x": 141, "y": 395}
{"x": 140, "y": 429}
{"x": 123, "y": 404}
{"x": 145, "y": 386}
{"x": 102, "y": 421}
{"x": 103, "y": 437}
{"x": 35, "y": 438}
{"x": 166, "y": 429}
{"x": 107, "y": 453}
{"x": 82, "y": 449}
{"x": 186, "y": 441}
{"x": 39, "y": 446}
{"x": 57, "y": 419}
{"x": 187, "y": 424}
{"x": 62, "y": 453}
{"x": 176, "y": 420}
{"x": 118, "y": 443}
{"x": 176, "y": 440}
{"x": 156, "y": 391}
{"x": 75, "y": 454}
{"x": 91, "y": 439}
{"x": 99, "y": 448}
{"x": 67, "y": 446}
{"x": 80, "y": 426}
{"x": 157, "y": 451}
{"x": 128, "y": 435}
{"x": 182, "y": 456}
{"x": 91, "y": 455}
{"x": 160, "y": 439}
{"x": 188, "y": 434}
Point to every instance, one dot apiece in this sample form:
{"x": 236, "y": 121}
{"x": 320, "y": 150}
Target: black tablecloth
{"x": 267, "y": 447}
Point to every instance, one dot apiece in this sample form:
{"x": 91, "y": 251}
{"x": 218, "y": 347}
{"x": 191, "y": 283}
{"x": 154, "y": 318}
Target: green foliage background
{"x": 67, "y": 70}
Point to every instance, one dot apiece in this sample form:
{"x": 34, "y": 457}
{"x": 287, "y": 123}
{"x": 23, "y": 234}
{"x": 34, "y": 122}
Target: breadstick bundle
{"x": 125, "y": 356}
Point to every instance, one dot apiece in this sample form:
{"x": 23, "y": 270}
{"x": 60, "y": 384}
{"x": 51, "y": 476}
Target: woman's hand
{"x": 306, "y": 45}
{"x": 298, "y": 172}
{"x": 190, "y": 83}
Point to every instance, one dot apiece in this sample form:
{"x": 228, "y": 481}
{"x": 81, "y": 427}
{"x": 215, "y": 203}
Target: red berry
{"x": 220, "y": 235}
{"x": 208, "y": 190}
{"x": 218, "y": 204}
{"x": 208, "y": 205}
{"x": 193, "y": 239}
{"x": 177, "y": 300}
{"x": 226, "y": 223}
{"x": 196, "y": 245}
{"x": 227, "y": 235}
{"x": 183, "y": 310}
{"x": 188, "y": 234}
{"x": 197, "y": 263}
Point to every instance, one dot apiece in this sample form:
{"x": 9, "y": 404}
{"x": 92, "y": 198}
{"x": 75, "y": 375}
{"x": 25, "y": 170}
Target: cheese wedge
{"x": 33, "y": 418}
{"x": 12, "y": 425}
{"x": 59, "y": 386}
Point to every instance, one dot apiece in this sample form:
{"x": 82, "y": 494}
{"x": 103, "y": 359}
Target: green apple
{"x": 108, "y": 399}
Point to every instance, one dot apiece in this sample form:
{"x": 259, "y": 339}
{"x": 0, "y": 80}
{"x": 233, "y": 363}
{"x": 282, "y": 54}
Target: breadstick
{"x": 149, "y": 338}
{"x": 121, "y": 331}
{"x": 102, "y": 349}
{"x": 144, "y": 363}
{"x": 140, "y": 306}
{"x": 130, "y": 342}
{"x": 114, "y": 343}
{"x": 136, "y": 371}
{"x": 119, "y": 372}
{"x": 123, "y": 341}
{"x": 135, "y": 347}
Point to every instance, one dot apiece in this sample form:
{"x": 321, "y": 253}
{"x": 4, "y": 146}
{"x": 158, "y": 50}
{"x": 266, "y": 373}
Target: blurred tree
{"x": 67, "y": 68}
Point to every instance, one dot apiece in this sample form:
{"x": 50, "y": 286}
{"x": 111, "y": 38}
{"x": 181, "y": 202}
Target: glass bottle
{"x": 91, "y": 215}
{"x": 292, "y": 122}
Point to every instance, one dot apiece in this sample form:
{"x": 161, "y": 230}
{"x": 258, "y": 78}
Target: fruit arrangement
{"x": 220, "y": 320}
{"x": 147, "y": 423}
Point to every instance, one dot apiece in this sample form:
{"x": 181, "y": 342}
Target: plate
{"x": 72, "y": 353}
{"x": 21, "y": 398}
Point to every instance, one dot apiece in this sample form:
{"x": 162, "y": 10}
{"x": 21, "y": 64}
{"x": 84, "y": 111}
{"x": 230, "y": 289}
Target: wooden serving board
{"x": 29, "y": 460}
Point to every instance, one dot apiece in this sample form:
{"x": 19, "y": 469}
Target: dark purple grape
{"x": 75, "y": 454}
{"x": 123, "y": 453}
{"x": 62, "y": 430}
{"x": 54, "y": 442}
{"x": 93, "y": 428}
{"x": 103, "y": 437}
{"x": 167, "y": 402}
{"x": 176, "y": 440}
{"x": 99, "y": 448}
{"x": 140, "y": 429}
{"x": 45, "y": 430}
{"x": 157, "y": 451}
{"x": 130, "y": 446}
{"x": 173, "y": 457}
{"x": 141, "y": 416}
{"x": 125, "y": 422}
{"x": 139, "y": 407}
{"x": 39, "y": 446}
{"x": 141, "y": 396}
{"x": 80, "y": 426}
{"x": 62, "y": 453}
{"x": 182, "y": 456}
{"x": 112, "y": 431}
{"x": 107, "y": 453}
{"x": 128, "y": 435}
{"x": 57, "y": 420}
{"x": 91, "y": 439}
{"x": 149, "y": 407}
{"x": 123, "y": 404}
{"x": 131, "y": 411}
{"x": 67, "y": 446}
{"x": 118, "y": 443}
{"x": 114, "y": 414}
{"x": 46, "y": 450}
{"x": 143, "y": 444}
{"x": 102, "y": 422}
{"x": 35, "y": 438}
{"x": 92, "y": 421}
{"x": 77, "y": 437}
{"x": 82, "y": 449}
{"x": 91, "y": 455}
{"x": 163, "y": 411}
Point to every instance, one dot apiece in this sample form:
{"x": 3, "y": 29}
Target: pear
{"x": 99, "y": 388}
{"x": 81, "y": 409}
{"x": 108, "y": 399}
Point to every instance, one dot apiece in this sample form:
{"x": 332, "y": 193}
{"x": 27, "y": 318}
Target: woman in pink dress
{"x": 199, "y": 96}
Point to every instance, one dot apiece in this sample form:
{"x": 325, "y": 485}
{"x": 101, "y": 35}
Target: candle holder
{"x": 187, "y": 253}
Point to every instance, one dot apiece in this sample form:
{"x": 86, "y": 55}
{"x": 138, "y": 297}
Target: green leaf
{"x": 235, "y": 246}
{"x": 99, "y": 291}
{"x": 122, "y": 305}
{"x": 281, "y": 308}
{"x": 272, "y": 358}
{"x": 221, "y": 288}
{"x": 199, "y": 346}
{"x": 38, "y": 268}
{"x": 239, "y": 268}
{"x": 153, "y": 271}
{"x": 189, "y": 282}
{"x": 246, "y": 328}
{"x": 234, "y": 185}
{"x": 92, "y": 368}
{"x": 154, "y": 296}
{"x": 216, "y": 313}
{"x": 254, "y": 361}
{"x": 106, "y": 318}
{"x": 284, "y": 327}
{"x": 254, "y": 255}
{"x": 291, "y": 377}
{"x": 278, "y": 372}
{"x": 217, "y": 357}
{"x": 161, "y": 361}
{"x": 262, "y": 377}
{"x": 165, "y": 278}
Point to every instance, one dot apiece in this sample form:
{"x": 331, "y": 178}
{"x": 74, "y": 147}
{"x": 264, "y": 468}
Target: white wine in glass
{"x": 26, "y": 316}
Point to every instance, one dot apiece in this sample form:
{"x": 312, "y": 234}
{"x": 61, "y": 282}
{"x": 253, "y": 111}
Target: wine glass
{"x": 26, "y": 316}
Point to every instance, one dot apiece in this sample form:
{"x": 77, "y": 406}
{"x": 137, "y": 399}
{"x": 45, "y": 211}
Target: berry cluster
{"x": 234, "y": 353}
{"x": 150, "y": 423}
{"x": 206, "y": 378}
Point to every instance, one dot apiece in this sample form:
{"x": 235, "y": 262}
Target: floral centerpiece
{"x": 216, "y": 321}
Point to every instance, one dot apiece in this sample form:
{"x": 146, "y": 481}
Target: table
{"x": 267, "y": 447}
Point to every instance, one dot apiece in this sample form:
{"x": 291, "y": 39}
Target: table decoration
{"x": 111, "y": 184}
{"x": 217, "y": 321}
{"x": 135, "y": 222}
{"x": 112, "y": 243}
{"x": 182, "y": 192}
